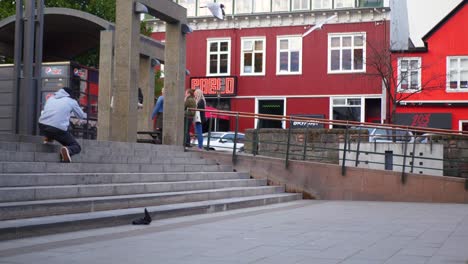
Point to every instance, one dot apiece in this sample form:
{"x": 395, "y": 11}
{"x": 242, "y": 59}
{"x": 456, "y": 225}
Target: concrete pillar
{"x": 146, "y": 83}
{"x": 174, "y": 85}
{"x": 106, "y": 65}
{"x": 127, "y": 46}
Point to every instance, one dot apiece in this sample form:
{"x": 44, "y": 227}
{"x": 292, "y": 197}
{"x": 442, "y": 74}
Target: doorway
{"x": 270, "y": 107}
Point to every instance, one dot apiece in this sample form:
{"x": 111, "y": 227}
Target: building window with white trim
{"x": 243, "y": 6}
{"x": 190, "y": 5}
{"x": 300, "y": 5}
{"x": 344, "y": 3}
{"x": 279, "y": 5}
{"x": 346, "y": 52}
{"x": 219, "y": 57}
{"x": 321, "y": 4}
{"x": 346, "y": 109}
{"x": 457, "y": 76}
{"x": 253, "y": 56}
{"x": 409, "y": 74}
{"x": 262, "y": 6}
{"x": 289, "y": 55}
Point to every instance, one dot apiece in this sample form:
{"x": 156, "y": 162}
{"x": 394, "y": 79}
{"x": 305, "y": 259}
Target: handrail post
{"x": 358, "y": 148}
{"x": 234, "y": 157}
{"x": 412, "y": 156}
{"x": 255, "y": 142}
{"x": 186, "y": 131}
{"x": 306, "y": 135}
{"x": 210, "y": 126}
{"x": 287, "y": 146}
{"x": 343, "y": 165}
{"x": 403, "y": 175}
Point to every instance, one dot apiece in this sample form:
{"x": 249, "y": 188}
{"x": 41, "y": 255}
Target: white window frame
{"x": 459, "y": 69}
{"x": 352, "y": 6}
{"x": 278, "y": 50}
{"x": 208, "y": 53}
{"x": 364, "y": 48}
{"x": 299, "y": 9}
{"x": 322, "y": 6}
{"x": 251, "y": 8}
{"x": 263, "y": 51}
{"x": 283, "y": 123}
{"x": 409, "y": 90}
{"x": 460, "y": 124}
{"x": 346, "y": 98}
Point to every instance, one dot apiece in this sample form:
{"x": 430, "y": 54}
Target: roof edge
{"x": 444, "y": 20}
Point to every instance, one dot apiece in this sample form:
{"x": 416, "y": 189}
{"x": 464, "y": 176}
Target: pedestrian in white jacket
{"x": 55, "y": 119}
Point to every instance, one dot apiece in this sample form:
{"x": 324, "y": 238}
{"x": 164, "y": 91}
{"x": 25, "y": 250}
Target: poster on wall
{"x": 431, "y": 120}
{"x": 304, "y": 124}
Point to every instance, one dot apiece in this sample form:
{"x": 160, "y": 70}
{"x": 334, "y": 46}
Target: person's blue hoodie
{"x": 58, "y": 110}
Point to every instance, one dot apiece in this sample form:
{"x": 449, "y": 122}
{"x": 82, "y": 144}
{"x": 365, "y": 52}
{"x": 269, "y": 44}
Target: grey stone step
{"x": 21, "y": 228}
{"x": 30, "y": 209}
{"x": 53, "y": 167}
{"x": 54, "y": 179}
{"x": 169, "y": 158}
{"x": 35, "y": 193}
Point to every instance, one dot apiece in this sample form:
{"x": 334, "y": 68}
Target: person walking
{"x": 200, "y": 118}
{"x": 55, "y": 119}
{"x": 189, "y": 114}
{"x": 158, "y": 111}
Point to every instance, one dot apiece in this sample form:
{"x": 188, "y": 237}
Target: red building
{"x": 260, "y": 63}
{"x": 432, "y": 81}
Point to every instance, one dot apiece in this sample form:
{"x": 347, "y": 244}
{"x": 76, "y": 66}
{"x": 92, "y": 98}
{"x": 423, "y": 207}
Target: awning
{"x": 215, "y": 115}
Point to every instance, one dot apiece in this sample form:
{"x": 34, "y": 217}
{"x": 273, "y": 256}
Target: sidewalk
{"x": 300, "y": 232}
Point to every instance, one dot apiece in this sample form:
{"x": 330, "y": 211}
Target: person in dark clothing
{"x": 189, "y": 104}
{"x": 55, "y": 119}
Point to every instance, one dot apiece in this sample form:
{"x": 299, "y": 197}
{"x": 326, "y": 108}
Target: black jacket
{"x": 201, "y": 105}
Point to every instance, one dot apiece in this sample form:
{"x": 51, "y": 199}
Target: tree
{"x": 384, "y": 64}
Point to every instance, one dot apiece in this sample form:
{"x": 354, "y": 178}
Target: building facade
{"x": 432, "y": 81}
{"x": 259, "y": 62}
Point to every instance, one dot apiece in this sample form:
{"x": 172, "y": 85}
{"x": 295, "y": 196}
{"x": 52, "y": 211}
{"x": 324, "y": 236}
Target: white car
{"x": 389, "y": 135}
{"x": 222, "y": 141}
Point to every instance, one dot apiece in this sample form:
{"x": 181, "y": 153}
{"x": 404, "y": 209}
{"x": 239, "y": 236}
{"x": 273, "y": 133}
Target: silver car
{"x": 222, "y": 141}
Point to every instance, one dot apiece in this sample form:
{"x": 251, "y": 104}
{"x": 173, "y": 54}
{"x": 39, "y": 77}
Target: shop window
{"x": 457, "y": 76}
{"x": 346, "y": 109}
{"x": 346, "y": 52}
{"x": 321, "y": 4}
{"x": 218, "y": 57}
{"x": 253, "y": 56}
{"x": 409, "y": 74}
{"x": 289, "y": 55}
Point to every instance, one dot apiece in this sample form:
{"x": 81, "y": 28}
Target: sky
{"x": 423, "y": 15}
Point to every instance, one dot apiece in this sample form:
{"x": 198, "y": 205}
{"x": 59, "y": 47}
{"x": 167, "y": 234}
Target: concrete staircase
{"x": 109, "y": 183}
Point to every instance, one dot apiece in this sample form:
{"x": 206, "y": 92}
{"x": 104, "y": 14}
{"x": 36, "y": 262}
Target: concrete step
{"x": 169, "y": 158}
{"x": 30, "y": 209}
{"x": 55, "y": 179}
{"x": 35, "y": 193}
{"x": 53, "y": 167}
{"x": 21, "y": 228}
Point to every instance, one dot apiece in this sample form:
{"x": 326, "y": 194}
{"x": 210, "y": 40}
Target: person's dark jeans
{"x": 63, "y": 137}
{"x": 188, "y": 124}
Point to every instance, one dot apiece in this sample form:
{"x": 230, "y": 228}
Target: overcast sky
{"x": 423, "y": 15}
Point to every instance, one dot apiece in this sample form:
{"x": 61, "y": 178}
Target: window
{"x": 253, "y": 56}
{"x": 203, "y": 11}
{"x": 280, "y": 5}
{"x": 262, "y": 6}
{"x": 190, "y": 5}
{"x": 344, "y": 3}
{"x": 457, "y": 76}
{"x": 219, "y": 58}
{"x": 243, "y": 6}
{"x": 346, "y": 53}
{"x": 289, "y": 55}
{"x": 346, "y": 109}
{"x": 321, "y": 4}
{"x": 409, "y": 74}
{"x": 300, "y": 5}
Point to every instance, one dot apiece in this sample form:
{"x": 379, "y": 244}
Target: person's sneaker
{"x": 65, "y": 155}
{"x": 47, "y": 140}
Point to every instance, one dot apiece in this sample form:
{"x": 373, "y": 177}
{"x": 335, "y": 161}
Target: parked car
{"x": 390, "y": 135}
{"x": 424, "y": 138}
{"x": 222, "y": 141}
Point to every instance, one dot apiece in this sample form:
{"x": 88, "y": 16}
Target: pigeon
{"x": 318, "y": 26}
{"x": 217, "y": 9}
{"x": 146, "y": 220}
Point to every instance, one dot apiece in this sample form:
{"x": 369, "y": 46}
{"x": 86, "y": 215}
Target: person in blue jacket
{"x": 55, "y": 119}
{"x": 158, "y": 111}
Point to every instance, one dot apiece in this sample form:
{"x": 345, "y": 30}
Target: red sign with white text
{"x": 212, "y": 86}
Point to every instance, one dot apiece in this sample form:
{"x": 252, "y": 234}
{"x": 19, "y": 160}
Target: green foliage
{"x": 158, "y": 83}
{"x": 7, "y": 8}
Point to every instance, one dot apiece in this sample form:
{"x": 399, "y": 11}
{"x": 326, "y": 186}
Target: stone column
{"x": 106, "y": 65}
{"x": 174, "y": 85}
{"x": 127, "y": 40}
{"x": 146, "y": 83}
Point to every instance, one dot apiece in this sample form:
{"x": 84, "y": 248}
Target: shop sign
{"x": 54, "y": 71}
{"x": 82, "y": 73}
{"x": 304, "y": 124}
{"x": 212, "y": 86}
{"x": 431, "y": 120}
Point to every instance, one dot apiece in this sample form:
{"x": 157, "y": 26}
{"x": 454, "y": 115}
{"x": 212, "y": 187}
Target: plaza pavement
{"x": 308, "y": 231}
